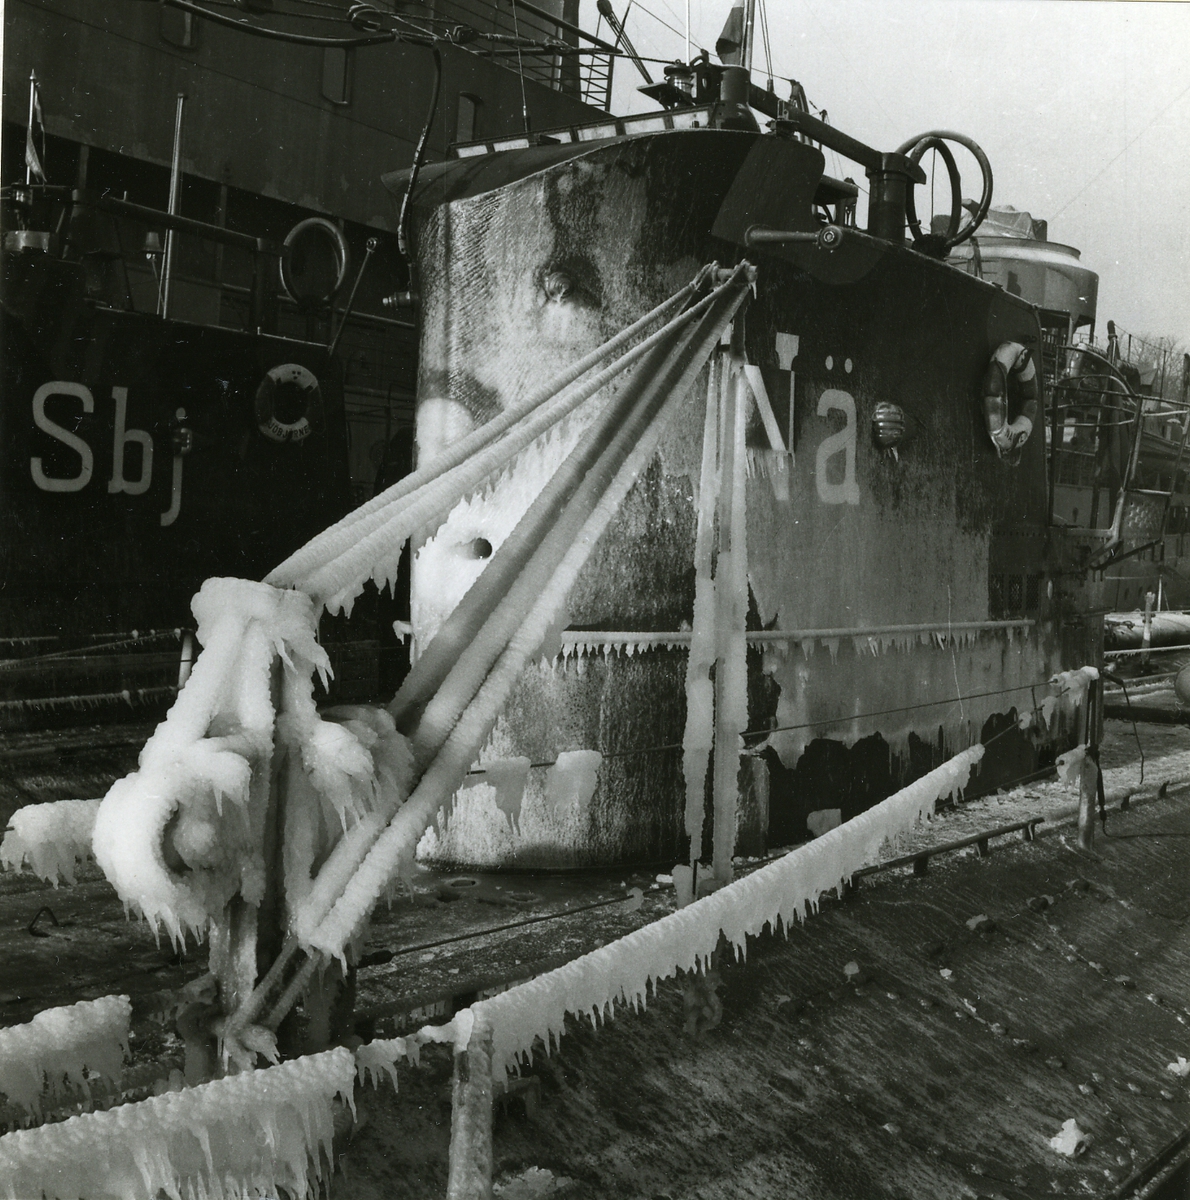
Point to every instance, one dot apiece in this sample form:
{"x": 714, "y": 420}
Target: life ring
{"x": 293, "y": 389}
{"x": 302, "y": 241}
{"x": 1011, "y": 366}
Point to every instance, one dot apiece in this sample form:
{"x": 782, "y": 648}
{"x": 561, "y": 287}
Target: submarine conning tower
{"x": 901, "y": 598}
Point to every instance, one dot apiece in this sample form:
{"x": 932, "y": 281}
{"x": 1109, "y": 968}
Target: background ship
{"x": 140, "y": 454}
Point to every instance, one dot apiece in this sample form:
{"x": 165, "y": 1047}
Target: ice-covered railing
{"x": 367, "y": 543}
{"x": 774, "y": 895}
{"x": 52, "y": 838}
{"x": 258, "y": 1133}
{"x": 63, "y": 1044}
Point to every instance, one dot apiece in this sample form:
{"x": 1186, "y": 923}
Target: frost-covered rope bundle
{"x": 253, "y": 1134}
{"x": 780, "y": 892}
{"x": 479, "y": 629}
{"x": 357, "y": 873}
{"x": 313, "y": 552}
{"x": 533, "y": 547}
{"x": 51, "y": 838}
{"x": 367, "y": 544}
{"x": 62, "y": 1043}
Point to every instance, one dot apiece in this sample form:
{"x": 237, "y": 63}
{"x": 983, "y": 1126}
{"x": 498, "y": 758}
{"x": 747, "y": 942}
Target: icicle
{"x": 1070, "y": 764}
{"x": 51, "y": 838}
{"x": 509, "y": 777}
{"x": 807, "y": 645}
{"x": 63, "y": 1043}
{"x": 255, "y": 1133}
{"x": 832, "y": 644}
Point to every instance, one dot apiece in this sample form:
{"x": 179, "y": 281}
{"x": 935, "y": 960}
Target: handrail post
{"x": 470, "y": 1175}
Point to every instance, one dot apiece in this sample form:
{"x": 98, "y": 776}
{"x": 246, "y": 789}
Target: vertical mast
{"x": 749, "y": 33}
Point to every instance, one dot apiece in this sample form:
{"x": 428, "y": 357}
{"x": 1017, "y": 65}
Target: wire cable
{"x": 418, "y": 159}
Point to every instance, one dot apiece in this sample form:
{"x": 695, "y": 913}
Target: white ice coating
{"x": 51, "y": 838}
{"x": 252, "y": 1134}
{"x": 778, "y": 893}
{"x": 59, "y": 1044}
{"x": 446, "y": 566}
{"x": 699, "y": 735}
{"x": 184, "y": 833}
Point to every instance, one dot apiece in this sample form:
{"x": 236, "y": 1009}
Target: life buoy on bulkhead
{"x": 293, "y": 391}
{"x": 1011, "y": 368}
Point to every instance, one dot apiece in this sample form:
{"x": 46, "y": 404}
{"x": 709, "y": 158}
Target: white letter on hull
{"x": 846, "y": 492}
{"x": 175, "y": 494}
{"x": 78, "y": 482}
{"x": 122, "y": 437}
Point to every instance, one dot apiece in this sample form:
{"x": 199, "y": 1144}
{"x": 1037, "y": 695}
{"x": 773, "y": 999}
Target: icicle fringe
{"x": 52, "y": 838}
{"x": 777, "y": 894}
{"x": 63, "y": 1043}
{"x": 252, "y": 1134}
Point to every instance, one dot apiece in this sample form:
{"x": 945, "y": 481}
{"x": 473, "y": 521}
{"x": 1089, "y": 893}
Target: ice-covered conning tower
{"x": 902, "y": 594}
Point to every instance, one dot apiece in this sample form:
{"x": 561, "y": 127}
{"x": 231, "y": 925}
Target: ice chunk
{"x": 1181, "y": 1068}
{"x": 1070, "y": 764}
{"x": 571, "y": 781}
{"x": 255, "y": 1133}
{"x": 51, "y": 838}
{"x": 1070, "y": 1140}
{"x": 61, "y": 1043}
{"x": 824, "y": 820}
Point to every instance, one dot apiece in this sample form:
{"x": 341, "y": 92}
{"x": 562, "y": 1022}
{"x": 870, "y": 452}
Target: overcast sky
{"x": 1083, "y": 107}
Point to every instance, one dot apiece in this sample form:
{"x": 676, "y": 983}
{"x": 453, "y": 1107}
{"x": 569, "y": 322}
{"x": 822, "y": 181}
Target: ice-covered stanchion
{"x": 184, "y": 834}
{"x": 259, "y": 1133}
{"x": 778, "y": 893}
{"x": 62, "y": 1044}
{"x": 699, "y": 735}
{"x": 52, "y": 838}
{"x": 1068, "y": 690}
{"x": 731, "y": 597}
